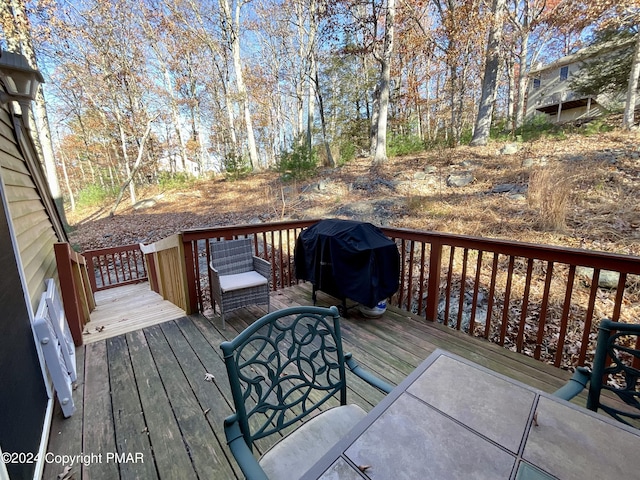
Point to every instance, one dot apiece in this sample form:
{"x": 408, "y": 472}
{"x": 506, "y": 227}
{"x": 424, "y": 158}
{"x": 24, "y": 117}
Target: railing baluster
{"x": 589, "y": 316}
{"x": 617, "y": 306}
{"x": 476, "y": 287}
{"x": 542, "y": 320}
{"x": 447, "y": 302}
{"x": 282, "y": 284}
{"x": 409, "y": 278}
{"x": 463, "y": 285}
{"x": 422, "y": 267}
{"x": 525, "y": 307}
{"x": 564, "y": 321}
{"x": 492, "y": 290}
{"x": 403, "y": 273}
{"x": 507, "y": 301}
{"x": 433, "y": 289}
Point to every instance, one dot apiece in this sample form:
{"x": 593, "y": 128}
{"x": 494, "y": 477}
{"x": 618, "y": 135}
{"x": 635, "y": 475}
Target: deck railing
{"x": 543, "y": 301}
{"x": 114, "y": 267}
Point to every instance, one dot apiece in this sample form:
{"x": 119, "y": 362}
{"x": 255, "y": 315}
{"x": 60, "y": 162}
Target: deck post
{"x": 77, "y": 296}
{"x": 433, "y": 285}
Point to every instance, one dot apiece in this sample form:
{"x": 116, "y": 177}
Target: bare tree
{"x": 383, "y": 88}
{"x": 231, "y": 31}
{"x": 490, "y": 80}
{"x": 632, "y": 89}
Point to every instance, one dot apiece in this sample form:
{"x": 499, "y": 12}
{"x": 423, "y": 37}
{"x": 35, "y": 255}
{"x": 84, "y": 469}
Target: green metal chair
{"x": 621, "y": 343}
{"x": 281, "y": 369}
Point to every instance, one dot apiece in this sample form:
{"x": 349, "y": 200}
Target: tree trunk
{"x": 385, "y": 76}
{"x": 490, "y": 81}
{"x": 629, "y": 110}
{"x": 511, "y": 95}
{"x": 375, "y": 114}
{"x": 131, "y": 172}
{"x": 72, "y": 200}
{"x": 330, "y": 162}
{"x": 233, "y": 34}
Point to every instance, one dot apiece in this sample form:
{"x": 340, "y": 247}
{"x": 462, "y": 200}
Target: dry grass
{"x": 549, "y": 193}
{"x": 600, "y": 211}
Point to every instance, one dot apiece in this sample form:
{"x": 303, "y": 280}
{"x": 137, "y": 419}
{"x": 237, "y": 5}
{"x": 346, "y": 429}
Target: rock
{"x": 420, "y": 176}
{"x": 527, "y": 163}
{"x": 504, "y": 188}
{"x": 512, "y": 188}
{"x": 509, "y": 149}
{"x": 517, "y": 197}
{"x": 430, "y": 169}
{"x": 467, "y": 309}
{"x": 531, "y": 162}
{"x": 144, "y": 204}
{"x": 460, "y": 179}
{"x": 607, "y": 278}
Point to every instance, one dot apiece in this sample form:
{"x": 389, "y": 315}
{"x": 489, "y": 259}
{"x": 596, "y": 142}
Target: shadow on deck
{"x": 145, "y": 409}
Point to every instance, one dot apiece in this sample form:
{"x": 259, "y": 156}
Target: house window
{"x": 564, "y": 73}
{"x": 536, "y": 83}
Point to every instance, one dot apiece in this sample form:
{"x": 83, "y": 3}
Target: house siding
{"x": 32, "y": 225}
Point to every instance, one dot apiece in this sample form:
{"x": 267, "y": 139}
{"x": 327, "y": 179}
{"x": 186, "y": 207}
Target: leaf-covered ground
{"x": 600, "y": 173}
{"x": 588, "y": 186}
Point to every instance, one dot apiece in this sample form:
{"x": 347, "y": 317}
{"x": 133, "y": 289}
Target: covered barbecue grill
{"x": 348, "y": 259}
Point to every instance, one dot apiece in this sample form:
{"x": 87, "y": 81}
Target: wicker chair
{"x": 238, "y": 278}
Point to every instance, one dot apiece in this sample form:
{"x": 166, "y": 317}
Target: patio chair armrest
{"x": 241, "y": 451}
{"x": 368, "y": 377}
{"x": 575, "y": 385}
{"x": 215, "y": 278}
{"x": 261, "y": 266}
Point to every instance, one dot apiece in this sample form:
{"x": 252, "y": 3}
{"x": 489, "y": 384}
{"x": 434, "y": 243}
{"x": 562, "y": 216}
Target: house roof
{"x": 587, "y": 52}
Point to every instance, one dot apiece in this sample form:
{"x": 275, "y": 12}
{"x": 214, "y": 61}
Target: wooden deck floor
{"x": 125, "y": 309}
{"x": 144, "y": 392}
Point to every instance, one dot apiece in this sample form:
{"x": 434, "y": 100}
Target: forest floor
{"x": 580, "y": 191}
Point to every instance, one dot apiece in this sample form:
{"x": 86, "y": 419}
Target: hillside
{"x": 579, "y": 191}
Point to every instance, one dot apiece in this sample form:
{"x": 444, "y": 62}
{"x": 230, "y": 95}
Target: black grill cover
{"x": 348, "y": 259}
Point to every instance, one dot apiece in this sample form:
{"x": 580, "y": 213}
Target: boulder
{"x": 460, "y": 179}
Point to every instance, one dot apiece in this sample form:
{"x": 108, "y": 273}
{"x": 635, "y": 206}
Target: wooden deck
{"x": 125, "y": 309}
{"x": 144, "y": 393}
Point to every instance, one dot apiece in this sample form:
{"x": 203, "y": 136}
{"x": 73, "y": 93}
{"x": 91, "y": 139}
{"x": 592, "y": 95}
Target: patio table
{"x": 454, "y": 419}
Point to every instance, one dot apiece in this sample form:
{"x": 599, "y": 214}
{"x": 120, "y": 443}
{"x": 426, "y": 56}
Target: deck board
{"x": 146, "y": 390}
{"x": 125, "y": 309}
{"x": 129, "y": 423}
{"x": 98, "y": 428}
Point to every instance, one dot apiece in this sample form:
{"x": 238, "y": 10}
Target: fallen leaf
{"x": 209, "y": 377}
{"x": 364, "y": 468}
{"x": 66, "y": 473}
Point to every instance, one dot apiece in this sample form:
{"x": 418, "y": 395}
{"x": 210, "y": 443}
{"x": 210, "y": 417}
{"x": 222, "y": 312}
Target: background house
{"x": 550, "y": 92}
{"x": 29, "y": 227}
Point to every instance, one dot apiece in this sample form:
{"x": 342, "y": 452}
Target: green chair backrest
{"x": 283, "y": 367}
{"x": 620, "y": 342}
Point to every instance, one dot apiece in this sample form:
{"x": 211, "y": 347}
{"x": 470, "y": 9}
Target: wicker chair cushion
{"x": 297, "y": 452}
{"x": 238, "y": 281}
